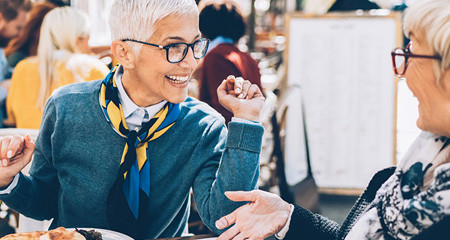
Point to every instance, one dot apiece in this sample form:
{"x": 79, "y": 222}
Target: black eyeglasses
{"x": 176, "y": 52}
{"x": 400, "y": 59}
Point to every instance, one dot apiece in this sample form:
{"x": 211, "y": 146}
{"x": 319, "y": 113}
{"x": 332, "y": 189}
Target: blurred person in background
{"x": 13, "y": 16}
{"x": 62, "y": 59}
{"x": 223, "y": 22}
{"x": 124, "y": 153}
{"x": 26, "y": 43}
{"x": 410, "y": 201}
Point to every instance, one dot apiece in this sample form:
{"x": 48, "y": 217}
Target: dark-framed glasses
{"x": 176, "y": 52}
{"x": 400, "y": 58}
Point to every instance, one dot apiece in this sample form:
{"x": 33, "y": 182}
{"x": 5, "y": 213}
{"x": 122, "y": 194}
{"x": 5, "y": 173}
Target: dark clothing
{"x": 220, "y": 62}
{"x": 308, "y": 225}
{"x": 350, "y": 5}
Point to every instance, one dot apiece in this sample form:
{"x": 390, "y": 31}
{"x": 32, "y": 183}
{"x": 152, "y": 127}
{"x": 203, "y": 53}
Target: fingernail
{"x": 221, "y": 223}
{"x": 9, "y": 154}
{"x": 241, "y": 95}
{"x": 5, "y": 162}
{"x": 237, "y": 90}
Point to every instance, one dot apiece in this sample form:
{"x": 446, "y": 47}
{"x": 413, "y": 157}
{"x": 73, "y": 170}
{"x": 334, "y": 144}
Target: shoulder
{"x": 29, "y": 62}
{"x": 77, "y": 90}
{"x": 222, "y": 49}
{"x": 86, "y": 65}
{"x": 229, "y": 52}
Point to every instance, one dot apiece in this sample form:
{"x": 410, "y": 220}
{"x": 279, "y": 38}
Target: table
{"x": 203, "y": 236}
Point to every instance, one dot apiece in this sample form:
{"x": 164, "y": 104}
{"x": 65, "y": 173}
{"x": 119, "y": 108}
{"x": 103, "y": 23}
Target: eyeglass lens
{"x": 400, "y": 61}
{"x": 178, "y": 51}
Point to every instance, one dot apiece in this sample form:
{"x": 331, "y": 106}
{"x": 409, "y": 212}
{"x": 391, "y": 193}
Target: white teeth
{"x": 178, "y": 79}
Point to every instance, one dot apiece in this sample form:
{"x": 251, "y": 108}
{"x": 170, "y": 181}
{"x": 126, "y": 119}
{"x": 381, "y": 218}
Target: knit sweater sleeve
{"x": 231, "y": 164}
{"x": 308, "y": 225}
{"x": 35, "y": 196}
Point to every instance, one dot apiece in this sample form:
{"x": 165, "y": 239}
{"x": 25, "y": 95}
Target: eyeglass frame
{"x": 407, "y": 54}
{"x": 167, "y": 47}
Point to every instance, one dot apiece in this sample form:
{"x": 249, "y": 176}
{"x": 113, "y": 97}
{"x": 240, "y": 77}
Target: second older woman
{"x": 411, "y": 201}
{"x": 62, "y": 59}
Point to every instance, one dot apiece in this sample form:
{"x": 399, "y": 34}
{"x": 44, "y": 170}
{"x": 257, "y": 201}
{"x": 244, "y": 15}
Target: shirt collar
{"x": 219, "y": 40}
{"x": 128, "y": 106}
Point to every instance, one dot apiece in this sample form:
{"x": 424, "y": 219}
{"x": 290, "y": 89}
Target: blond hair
{"x": 59, "y": 33}
{"x": 136, "y": 19}
{"x": 431, "y": 19}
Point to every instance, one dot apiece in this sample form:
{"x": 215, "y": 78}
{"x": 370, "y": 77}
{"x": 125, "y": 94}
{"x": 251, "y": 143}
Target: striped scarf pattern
{"x": 129, "y": 195}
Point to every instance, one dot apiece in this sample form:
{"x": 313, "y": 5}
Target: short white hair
{"x": 430, "y": 20}
{"x": 136, "y": 19}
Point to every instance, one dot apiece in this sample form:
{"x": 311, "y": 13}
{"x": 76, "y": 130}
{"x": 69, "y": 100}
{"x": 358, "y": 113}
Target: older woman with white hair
{"x": 62, "y": 59}
{"x": 411, "y": 201}
{"x": 123, "y": 153}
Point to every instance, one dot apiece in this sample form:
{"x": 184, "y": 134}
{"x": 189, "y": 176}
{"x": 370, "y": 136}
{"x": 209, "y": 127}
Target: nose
{"x": 189, "y": 61}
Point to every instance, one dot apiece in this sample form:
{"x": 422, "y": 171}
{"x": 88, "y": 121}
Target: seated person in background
{"x": 223, "y": 23}
{"x": 411, "y": 201}
{"x": 123, "y": 153}
{"x": 13, "y": 16}
{"x": 26, "y": 43}
{"x": 61, "y": 60}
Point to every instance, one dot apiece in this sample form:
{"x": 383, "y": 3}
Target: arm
{"x": 234, "y": 168}
{"x": 311, "y": 226}
{"x": 238, "y": 168}
{"x": 35, "y": 195}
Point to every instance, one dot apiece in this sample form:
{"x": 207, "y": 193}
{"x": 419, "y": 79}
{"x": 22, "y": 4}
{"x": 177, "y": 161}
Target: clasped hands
{"x": 15, "y": 153}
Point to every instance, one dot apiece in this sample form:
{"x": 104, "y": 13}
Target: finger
{"x": 230, "y": 82}
{"x": 245, "y": 86}
{"x": 29, "y": 145}
{"x": 241, "y": 196}
{"x": 3, "y": 153}
{"x": 240, "y": 236}
{"x": 222, "y": 89}
{"x": 226, "y": 221}
{"x": 15, "y": 146}
{"x": 229, "y": 234}
{"x": 238, "y": 84}
{"x": 253, "y": 91}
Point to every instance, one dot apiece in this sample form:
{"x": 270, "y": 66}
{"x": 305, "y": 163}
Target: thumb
{"x": 240, "y": 196}
{"x": 222, "y": 89}
{"x": 226, "y": 220}
{"x": 29, "y": 145}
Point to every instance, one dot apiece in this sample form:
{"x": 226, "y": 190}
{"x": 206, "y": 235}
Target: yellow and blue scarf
{"x": 132, "y": 187}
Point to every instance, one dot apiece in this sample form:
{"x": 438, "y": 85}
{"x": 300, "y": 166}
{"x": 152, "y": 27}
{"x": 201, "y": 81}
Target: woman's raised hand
{"x": 244, "y": 99}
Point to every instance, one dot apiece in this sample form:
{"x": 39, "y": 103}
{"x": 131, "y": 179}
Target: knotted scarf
{"x": 401, "y": 209}
{"x": 128, "y": 198}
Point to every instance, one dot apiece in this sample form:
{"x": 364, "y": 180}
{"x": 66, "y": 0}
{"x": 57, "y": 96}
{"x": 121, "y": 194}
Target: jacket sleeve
{"x": 230, "y": 166}
{"x": 307, "y": 225}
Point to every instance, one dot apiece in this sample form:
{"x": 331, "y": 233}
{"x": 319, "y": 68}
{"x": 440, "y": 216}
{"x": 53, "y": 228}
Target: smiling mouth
{"x": 178, "y": 79}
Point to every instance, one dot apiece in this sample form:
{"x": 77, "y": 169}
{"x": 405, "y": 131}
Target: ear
{"x": 123, "y": 53}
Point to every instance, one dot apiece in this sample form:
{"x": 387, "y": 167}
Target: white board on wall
{"x": 342, "y": 65}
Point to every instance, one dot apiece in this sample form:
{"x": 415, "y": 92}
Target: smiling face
{"x": 153, "y": 79}
{"x": 421, "y": 80}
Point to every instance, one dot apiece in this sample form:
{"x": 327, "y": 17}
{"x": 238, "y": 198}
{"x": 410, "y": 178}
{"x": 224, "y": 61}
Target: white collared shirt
{"x": 135, "y": 116}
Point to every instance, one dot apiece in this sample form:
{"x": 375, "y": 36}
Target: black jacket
{"x": 307, "y": 225}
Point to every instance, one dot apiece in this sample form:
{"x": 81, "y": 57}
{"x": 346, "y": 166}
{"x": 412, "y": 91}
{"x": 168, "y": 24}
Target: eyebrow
{"x": 180, "y": 38}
